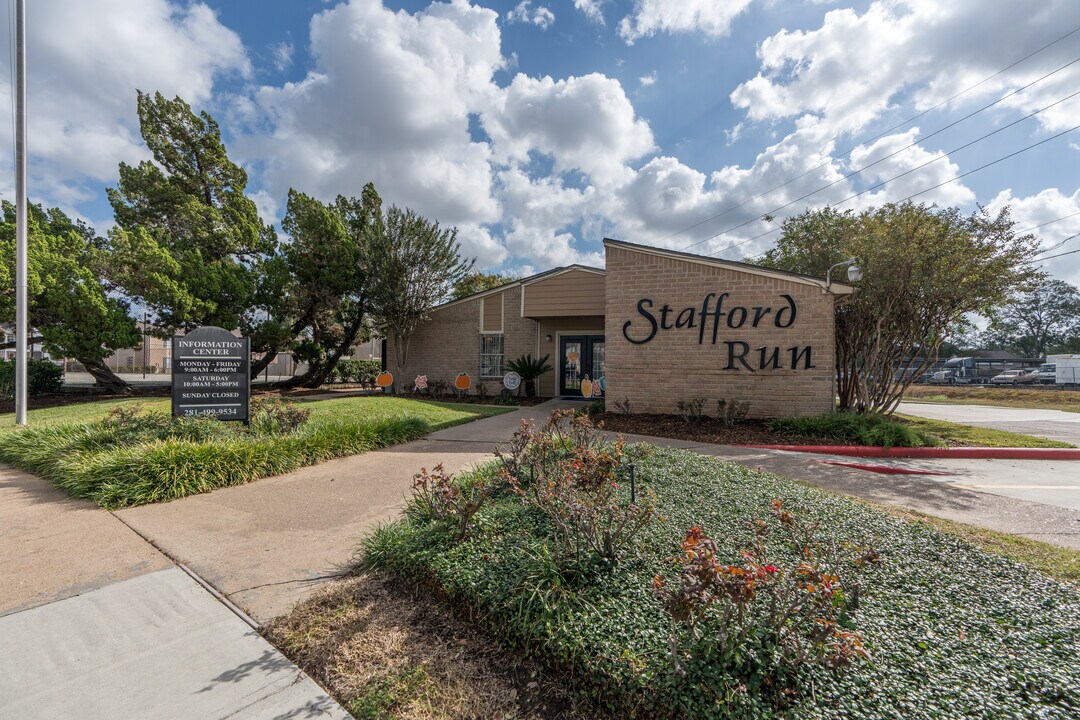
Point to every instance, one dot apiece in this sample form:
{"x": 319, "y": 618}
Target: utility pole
{"x": 21, "y": 329}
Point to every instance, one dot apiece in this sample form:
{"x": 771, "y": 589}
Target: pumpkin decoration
{"x": 463, "y": 381}
{"x": 384, "y": 379}
{"x": 586, "y": 387}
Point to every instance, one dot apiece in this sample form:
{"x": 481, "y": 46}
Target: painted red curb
{"x": 931, "y": 452}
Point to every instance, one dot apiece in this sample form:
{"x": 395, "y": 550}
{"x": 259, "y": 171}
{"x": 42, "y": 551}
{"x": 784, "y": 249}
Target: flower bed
{"x": 948, "y": 630}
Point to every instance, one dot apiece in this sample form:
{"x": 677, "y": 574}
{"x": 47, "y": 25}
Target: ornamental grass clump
{"x": 572, "y": 478}
{"x": 787, "y": 615}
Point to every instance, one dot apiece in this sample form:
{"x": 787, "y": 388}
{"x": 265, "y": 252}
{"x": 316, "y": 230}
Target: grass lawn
{"x": 150, "y": 457}
{"x": 952, "y": 631}
{"x": 902, "y": 431}
{"x": 1032, "y": 397}
{"x": 957, "y": 434}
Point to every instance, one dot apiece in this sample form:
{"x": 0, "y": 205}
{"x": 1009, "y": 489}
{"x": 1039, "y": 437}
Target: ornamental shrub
{"x": 276, "y": 417}
{"x": 856, "y": 428}
{"x": 790, "y": 614}
{"x": 42, "y": 377}
{"x": 567, "y": 474}
{"x": 438, "y": 496}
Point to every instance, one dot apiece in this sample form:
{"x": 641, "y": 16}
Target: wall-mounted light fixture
{"x": 854, "y": 272}
{"x": 547, "y": 338}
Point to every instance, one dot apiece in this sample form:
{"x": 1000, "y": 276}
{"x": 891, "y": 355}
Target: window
{"x": 491, "y": 356}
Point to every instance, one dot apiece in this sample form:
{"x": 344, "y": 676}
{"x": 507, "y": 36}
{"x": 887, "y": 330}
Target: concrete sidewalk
{"x": 95, "y": 623}
{"x": 1049, "y": 424}
{"x": 268, "y": 544}
{"x": 153, "y": 646}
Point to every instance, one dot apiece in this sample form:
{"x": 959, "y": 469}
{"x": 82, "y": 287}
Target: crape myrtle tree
{"x": 312, "y": 294}
{"x": 1044, "y": 319}
{"x": 412, "y": 265}
{"x": 188, "y": 243}
{"x": 69, "y": 307}
{"x": 924, "y": 268}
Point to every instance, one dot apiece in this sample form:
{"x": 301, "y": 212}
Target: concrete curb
{"x": 930, "y": 452}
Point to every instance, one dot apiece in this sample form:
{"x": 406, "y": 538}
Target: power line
{"x": 950, "y": 152}
{"x": 1055, "y": 247}
{"x": 875, "y": 137}
{"x": 1071, "y": 252}
{"x": 907, "y": 147}
{"x": 933, "y": 187}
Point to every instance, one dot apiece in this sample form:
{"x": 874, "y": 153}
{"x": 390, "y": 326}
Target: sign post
{"x": 211, "y": 374}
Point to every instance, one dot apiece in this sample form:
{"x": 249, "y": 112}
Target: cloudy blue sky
{"x": 537, "y": 127}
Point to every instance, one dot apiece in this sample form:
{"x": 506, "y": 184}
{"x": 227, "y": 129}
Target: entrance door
{"x": 580, "y": 357}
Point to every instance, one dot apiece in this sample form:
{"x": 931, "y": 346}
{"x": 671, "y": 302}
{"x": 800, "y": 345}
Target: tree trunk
{"x": 104, "y": 377}
{"x": 261, "y": 364}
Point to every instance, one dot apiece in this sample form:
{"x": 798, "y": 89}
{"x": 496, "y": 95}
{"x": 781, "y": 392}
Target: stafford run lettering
{"x": 740, "y": 355}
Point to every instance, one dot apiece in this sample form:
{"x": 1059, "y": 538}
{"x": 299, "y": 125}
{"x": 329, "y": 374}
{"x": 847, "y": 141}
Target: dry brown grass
{"x": 1023, "y": 397}
{"x": 386, "y": 649}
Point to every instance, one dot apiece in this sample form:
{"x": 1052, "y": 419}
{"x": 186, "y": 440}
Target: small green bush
{"x": 132, "y": 459}
{"x": 276, "y": 417}
{"x": 857, "y": 429}
{"x": 42, "y": 377}
{"x": 352, "y": 370}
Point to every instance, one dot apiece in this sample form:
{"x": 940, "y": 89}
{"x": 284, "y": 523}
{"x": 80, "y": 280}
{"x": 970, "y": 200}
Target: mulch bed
{"x": 706, "y": 430}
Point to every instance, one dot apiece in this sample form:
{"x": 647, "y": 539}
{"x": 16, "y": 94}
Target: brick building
{"x": 656, "y": 327}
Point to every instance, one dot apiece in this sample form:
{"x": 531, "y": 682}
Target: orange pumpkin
{"x": 384, "y": 379}
{"x": 463, "y": 381}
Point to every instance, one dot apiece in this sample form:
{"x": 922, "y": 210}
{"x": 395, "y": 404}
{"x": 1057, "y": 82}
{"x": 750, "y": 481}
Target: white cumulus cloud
{"x": 711, "y": 17}
{"x": 86, "y": 61}
{"x": 539, "y": 16}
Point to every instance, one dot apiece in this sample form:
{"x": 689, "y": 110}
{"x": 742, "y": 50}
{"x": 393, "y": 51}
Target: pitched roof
{"x": 520, "y": 281}
{"x": 836, "y": 288}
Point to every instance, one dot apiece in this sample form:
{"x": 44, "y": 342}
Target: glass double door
{"x": 581, "y": 365}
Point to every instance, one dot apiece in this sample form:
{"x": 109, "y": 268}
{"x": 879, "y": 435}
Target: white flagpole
{"x": 21, "y": 329}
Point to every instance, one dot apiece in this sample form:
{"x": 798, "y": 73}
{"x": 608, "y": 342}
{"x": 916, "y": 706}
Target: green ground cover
{"x": 140, "y": 455}
{"x": 952, "y": 631}
{"x": 903, "y": 431}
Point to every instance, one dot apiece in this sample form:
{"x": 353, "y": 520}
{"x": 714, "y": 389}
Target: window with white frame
{"x": 491, "y": 356}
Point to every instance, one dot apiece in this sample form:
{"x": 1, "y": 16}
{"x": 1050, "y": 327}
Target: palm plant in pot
{"x": 530, "y": 368}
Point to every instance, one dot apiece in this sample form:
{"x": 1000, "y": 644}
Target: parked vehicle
{"x": 1015, "y": 377}
{"x": 1047, "y": 374}
{"x": 971, "y": 370}
{"x": 1066, "y": 369}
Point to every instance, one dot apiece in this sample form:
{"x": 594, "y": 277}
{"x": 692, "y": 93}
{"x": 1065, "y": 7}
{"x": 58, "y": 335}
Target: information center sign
{"x": 211, "y": 374}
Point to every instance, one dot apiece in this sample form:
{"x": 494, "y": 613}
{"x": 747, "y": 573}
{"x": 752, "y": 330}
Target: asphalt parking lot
{"x": 1051, "y": 424}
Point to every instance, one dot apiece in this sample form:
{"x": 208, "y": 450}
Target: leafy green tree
{"x": 412, "y": 265}
{"x": 315, "y": 289}
{"x": 188, "y": 243}
{"x": 924, "y": 269}
{"x": 69, "y": 306}
{"x": 1044, "y": 319}
{"x": 479, "y": 282}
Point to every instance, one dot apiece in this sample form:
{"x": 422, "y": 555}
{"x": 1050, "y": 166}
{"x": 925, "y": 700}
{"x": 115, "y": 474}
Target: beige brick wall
{"x": 673, "y": 366}
{"x": 449, "y": 342}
